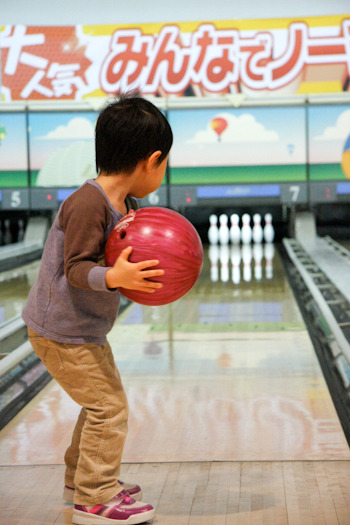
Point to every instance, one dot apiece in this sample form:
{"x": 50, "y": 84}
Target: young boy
{"x": 74, "y": 303}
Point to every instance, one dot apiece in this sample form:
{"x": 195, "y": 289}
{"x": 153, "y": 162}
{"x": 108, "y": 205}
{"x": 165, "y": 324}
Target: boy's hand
{"x": 133, "y": 276}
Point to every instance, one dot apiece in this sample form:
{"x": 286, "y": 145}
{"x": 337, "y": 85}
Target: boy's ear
{"x": 153, "y": 159}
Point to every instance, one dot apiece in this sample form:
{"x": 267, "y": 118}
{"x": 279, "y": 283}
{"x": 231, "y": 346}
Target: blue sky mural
{"x": 253, "y": 136}
{"x": 13, "y": 148}
{"x": 329, "y": 129}
{"x": 50, "y": 132}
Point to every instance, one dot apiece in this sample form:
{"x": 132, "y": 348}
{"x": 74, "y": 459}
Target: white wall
{"x": 93, "y": 12}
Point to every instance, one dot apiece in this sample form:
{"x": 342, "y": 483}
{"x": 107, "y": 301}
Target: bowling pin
{"x": 269, "y": 252}
{"x": 246, "y": 232}
{"x": 247, "y": 259}
{"x": 269, "y": 232}
{"x": 224, "y": 232}
{"x": 258, "y": 253}
{"x": 213, "y": 232}
{"x": 214, "y": 258}
{"x": 20, "y": 235}
{"x": 235, "y": 231}
{"x": 7, "y": 232}
{"x": 224, "y": 260}
{"x": 258, "y": 234}
{"x": 236, "y": 262}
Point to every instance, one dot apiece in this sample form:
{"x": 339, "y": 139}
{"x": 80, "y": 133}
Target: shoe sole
{"x": 84, "y": 518}
{"x": 68, "y": 495}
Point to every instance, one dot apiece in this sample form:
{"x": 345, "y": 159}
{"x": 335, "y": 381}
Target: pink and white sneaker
{"x": 122, "y": 509}
{"x": 133, "y": 490}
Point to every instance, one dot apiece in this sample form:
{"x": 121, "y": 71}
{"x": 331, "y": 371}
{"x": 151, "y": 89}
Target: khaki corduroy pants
{"x": 88, "y": 374}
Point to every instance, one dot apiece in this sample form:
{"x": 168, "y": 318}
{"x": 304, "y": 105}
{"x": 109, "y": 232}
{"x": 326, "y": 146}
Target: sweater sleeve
{"x": 83, "y": 218}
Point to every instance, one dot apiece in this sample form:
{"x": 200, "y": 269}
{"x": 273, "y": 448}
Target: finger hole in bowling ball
{"x": 122, "y": 234}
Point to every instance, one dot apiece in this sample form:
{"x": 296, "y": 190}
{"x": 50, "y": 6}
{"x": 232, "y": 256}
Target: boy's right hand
{"x": 133, "y": 276}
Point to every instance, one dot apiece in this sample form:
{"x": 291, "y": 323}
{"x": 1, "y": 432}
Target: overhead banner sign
{"x": 310, "y": 55}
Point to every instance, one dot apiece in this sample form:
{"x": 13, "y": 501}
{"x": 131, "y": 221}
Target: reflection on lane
{"x": 241, "y": 262}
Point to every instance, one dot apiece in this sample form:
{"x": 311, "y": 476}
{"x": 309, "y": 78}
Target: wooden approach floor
{"x": 198, "y": 493}
{"x": 231, "y": 421}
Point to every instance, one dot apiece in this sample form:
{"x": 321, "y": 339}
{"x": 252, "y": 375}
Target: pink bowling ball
{"x": 165, "y": 235}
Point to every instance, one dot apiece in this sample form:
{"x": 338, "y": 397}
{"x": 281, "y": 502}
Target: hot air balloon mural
{"x": 218, "y": 124}
{"x": 345, "y": 163}
{"x": 2, "y": 133}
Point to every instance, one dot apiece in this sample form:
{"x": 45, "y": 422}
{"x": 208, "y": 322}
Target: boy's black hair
{"x": 128, "y": 130}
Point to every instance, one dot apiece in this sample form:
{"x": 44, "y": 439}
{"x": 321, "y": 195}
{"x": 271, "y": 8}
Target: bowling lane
{"x": 14, "y": 287}
{"x": 226, "y": 373}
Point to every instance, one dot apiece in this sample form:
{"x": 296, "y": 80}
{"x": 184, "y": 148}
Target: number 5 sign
{"x": 15, "y": 199}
